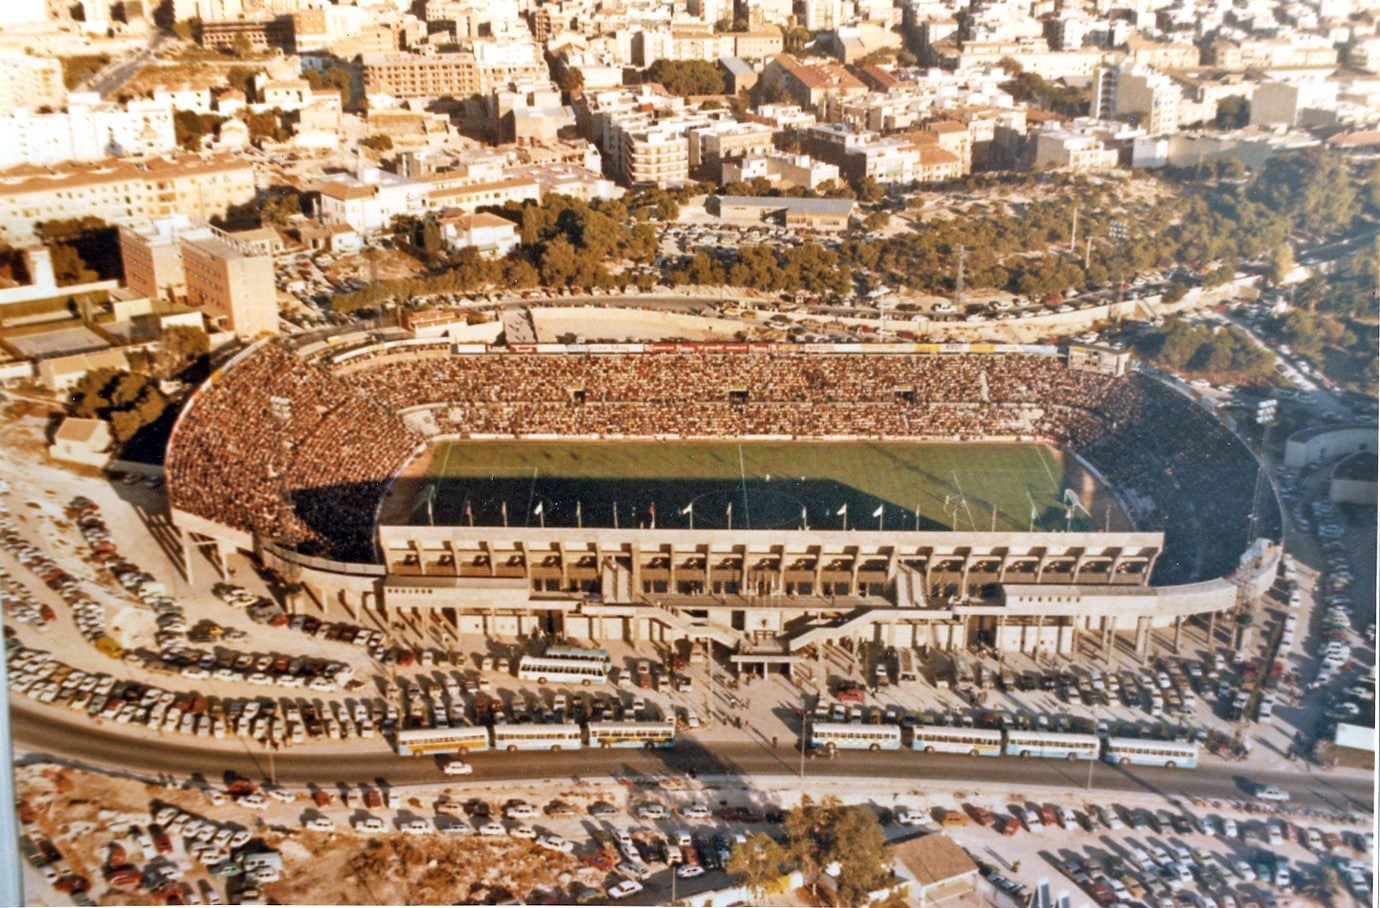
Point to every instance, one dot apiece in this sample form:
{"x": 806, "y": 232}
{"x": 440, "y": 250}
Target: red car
{"x": 982, "y": 815}
{"x": 1009, "y": 826}
{"x": 1102, "y": 894}
{"x": 850, "y": 694}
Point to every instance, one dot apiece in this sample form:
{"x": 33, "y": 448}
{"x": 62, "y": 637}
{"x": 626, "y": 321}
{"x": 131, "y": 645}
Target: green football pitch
{"x": 755, "y": 485}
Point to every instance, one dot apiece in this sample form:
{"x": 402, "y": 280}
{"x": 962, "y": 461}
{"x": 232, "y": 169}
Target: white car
{"x": 695, "y": 812}
{"x": 523, "y": 832}
{"x": 651, "y": 812}
{"x": 320, "y": 824}
{"x": 457, "y": 768}
{"x": 910, "y": 816}
{"x": 686, "y": 871}
{"x": 370, "y": 824}
{"x": 556, "y": 843}
{"x": 1272, "y": 793}
{"x": 625, "y": 889}
{"x": 282, "y": 794}
{"x": 493, "y": 827}
{"x": 254, "y": 800}
{"x": 521, "y": 811}
{"x": 416, "y": 826}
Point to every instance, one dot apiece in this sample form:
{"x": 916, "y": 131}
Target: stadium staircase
{"x": 698, "y": 628}
{"x": 843, "y": 626}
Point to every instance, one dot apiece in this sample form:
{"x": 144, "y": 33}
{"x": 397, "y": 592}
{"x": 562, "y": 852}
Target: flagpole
{"x": 615, "y": 515}
{"x": 994, "y": 518}
{"x": 579, "y": 518}
{"x": 730, "y": 515}
{"x": 881, "y": 517}
{"x": 505, "y": 512}
{"x": 917, "y": 517}
{"x": 469, "y": 512}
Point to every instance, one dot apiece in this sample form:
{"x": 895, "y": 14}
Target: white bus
{"x": 560, "y": 736}
{"x": 943, "y": 739}
{"x": 563, "y": 671}
{"x": 632, "y": 734}
{"x": 1054, "y": 745}
{"x": 1143, "y": 752}
{"x": 576, "y": 654}
{"x": 421, "y": 741}
{"x": 855, "y": 736}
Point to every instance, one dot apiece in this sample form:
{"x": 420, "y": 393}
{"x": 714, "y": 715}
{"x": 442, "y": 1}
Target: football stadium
{"x": 762, "y": 497}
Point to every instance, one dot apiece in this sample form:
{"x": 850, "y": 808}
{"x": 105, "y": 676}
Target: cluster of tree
{"x": 467, "y": 272}
{"x": 276, "y": 205}
{"x": 190, "y": 127}
{"x": 129, "y": 401}
{"x": 334, "y": 78}
{"x": 808, "y": 267}
{"x": 1032, "y": 88}
{"x": 1232, "y": 113}
{"x": 818, "y": 836}
{"x": 377, "y": 142}
{"x": 1185, "y": 347}
{"x": 569, "y": 240}
{"x": 179, "y": 349}
{"x": 267, "y": 125}
{"x": 83, "y": 249}
{"x": 241, "y": 78}
{"x": 77, "y": 69}
{"x": 687, "y": 77}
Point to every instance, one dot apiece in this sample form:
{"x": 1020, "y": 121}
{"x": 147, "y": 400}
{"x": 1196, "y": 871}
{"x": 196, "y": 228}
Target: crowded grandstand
{"x": 298, "y": 447}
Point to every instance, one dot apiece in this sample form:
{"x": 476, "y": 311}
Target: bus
{"x": 1144, "y": 752}
{"x": 422, "y": 741}
{"x": 977, "y": 742}
{"x": 1054, "y": 745}
{"x": 855, "y": 736}
{"x": 576, "y": 654}
{"x": 566, "y": 671}
{"x": 558, "y": 736}
{"x": 632, "y": 734}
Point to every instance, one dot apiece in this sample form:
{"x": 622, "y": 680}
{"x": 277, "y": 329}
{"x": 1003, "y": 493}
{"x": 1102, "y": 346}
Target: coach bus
{"x": 576, "y": 654}
{"x": 977, "y": 742}
{"x": 1144, "y": 752}
{"x": 855, "y": 736}
{"x": 564, "y": 671}
{"x": 558, "y": 736}
{"x": 1054, "y": 745}
{"x": 422, "y": 741}
{"x": 632, "y": 734}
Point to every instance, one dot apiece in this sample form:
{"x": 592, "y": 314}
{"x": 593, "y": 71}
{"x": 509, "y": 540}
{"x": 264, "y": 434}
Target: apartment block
{"x": 89, "y": 130}
{"x": 28, "y": 83}
{"x": 477, "y": 71}
{"x": 231, "y": 284}
{"x": 122, "y": 193}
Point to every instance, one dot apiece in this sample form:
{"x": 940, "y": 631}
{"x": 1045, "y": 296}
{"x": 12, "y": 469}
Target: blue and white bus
{"x": 1144, "y": 752}
{"x": 555, "y": 736}
{"x": 855, "y": 736}
{"x": 632, "y": 734}
{"x": 945, "y": 739}
{"x": 1052, "y": 745}
{"x": 423, "y": 741}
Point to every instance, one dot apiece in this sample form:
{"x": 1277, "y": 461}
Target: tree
{"x": 759, "y": 862}
{"x": 128, "y": 400}
{"x": 829, "y": 833}
{"x": 687, "y": 77}
{"x": 190, "y": 127}
{"x": 1232, "y": 113}
{"x": 377, "y": 142}
{"x": 242, "y": 46}
{"x": 179, "y": 347}
{"x": 570, "y": 79}
{"x": 241, "y": 78}
{"x": 1281, "y": 264}
{"x": 83, "y": 249}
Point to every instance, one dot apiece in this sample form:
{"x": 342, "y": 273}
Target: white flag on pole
{"x": 688, "y": 508}
{"x": 880, "y": 509}
{"x": 538, "y": 509}
{"x": 843, "y": 510}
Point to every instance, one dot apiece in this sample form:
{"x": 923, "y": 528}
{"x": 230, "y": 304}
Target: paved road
{"x": 111, "y": 79}
{"x": 69, "y": 738}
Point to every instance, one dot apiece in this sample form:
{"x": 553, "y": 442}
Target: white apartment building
{"x": 370, "y": 200}
{"x": 28, "y": 82}
{"x": 1131, "y": 90}
{"x": 1059, "y": 149}
{"x": 122, "y": 193}
{"x": 89, "y": 130}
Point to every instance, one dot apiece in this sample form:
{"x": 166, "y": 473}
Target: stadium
{"x": 762, "y": 497}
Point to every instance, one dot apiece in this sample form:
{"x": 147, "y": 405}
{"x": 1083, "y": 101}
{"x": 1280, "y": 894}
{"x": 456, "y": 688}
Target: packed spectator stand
{"x": 301, "y": 449}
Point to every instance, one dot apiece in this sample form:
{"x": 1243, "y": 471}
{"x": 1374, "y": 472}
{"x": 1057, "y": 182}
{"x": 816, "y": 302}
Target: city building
{"x": 231, "y": 284}
{"x": 490, "y": 234}
{"x": 803, "y": 214}
{"x": 89, "y": 130}
{"x": 122, "y": 193}
{"x": 29, "y": 82}
{"x": 485, "y": 66}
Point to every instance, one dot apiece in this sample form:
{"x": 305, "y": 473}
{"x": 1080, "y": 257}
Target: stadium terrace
{"x": 300, "y": 453}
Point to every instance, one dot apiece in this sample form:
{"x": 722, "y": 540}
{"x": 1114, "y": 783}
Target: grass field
{"x": 756, "y": 485}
